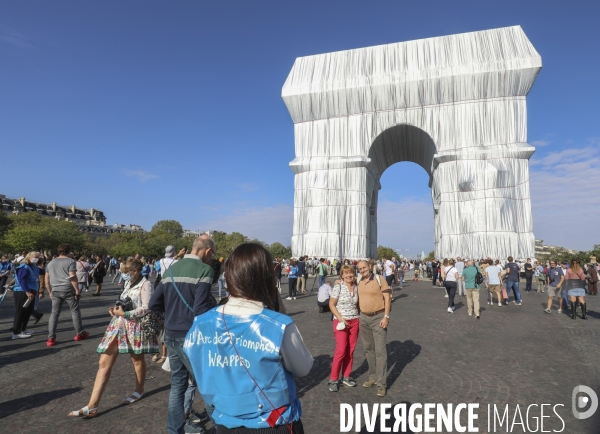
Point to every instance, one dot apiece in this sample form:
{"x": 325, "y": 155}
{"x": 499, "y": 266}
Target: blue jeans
{"x": 321, "y": 280}
{"x": 180, "y": 371}
{"x": 190, "y": 394}
{"x": 515, "y": 287}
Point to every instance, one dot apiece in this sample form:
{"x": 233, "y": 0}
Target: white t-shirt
{"x": 165, "y": 263}
{"x": 388, "y": 267}
{"x": 492, "y": 272}
{"x": 450, "y": 273}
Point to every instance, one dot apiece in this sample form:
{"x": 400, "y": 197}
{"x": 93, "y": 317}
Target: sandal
{"x": 134, "y": 398}
{"x": 85, "y": 411}
{"x": 155, "y": 357}
{"x": 161, "y": 360}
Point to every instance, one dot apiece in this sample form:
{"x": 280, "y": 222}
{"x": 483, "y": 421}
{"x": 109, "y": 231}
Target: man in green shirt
{"x": 471, "y": 287}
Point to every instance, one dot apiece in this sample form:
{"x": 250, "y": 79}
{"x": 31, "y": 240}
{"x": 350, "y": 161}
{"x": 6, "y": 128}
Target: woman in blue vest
{"x": 26, "y": 287}
{"x": 244, "y": 354}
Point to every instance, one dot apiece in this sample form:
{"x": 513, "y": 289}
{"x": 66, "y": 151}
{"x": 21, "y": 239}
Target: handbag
{"x": 574, "y": 284}
{"x": 153, "y": 323}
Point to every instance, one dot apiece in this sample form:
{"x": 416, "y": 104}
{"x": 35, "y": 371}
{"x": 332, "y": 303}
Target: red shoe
{"x": 81, "y": 337}
{"x": 51, "y": 342}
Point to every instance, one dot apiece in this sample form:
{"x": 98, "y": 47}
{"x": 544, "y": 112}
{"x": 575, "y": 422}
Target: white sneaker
{"x": 288, "y": 298}
{"x": 446, "y": 295}
{"x": 450, "y": 310}
{"x": 27, "y": 332}
{"x": 499, "y": 304}
{"x": 21, "y": 336}
{"x": 470, "y": 314}
{"x": 294, "y": 298}
{"x": 559, "y": 311}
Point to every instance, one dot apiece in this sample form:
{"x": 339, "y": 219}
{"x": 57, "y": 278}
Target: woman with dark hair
{"x": 244, "y": 354}
{"x": 99, "y": 271}
{"x": 574, "y": 283}
{"x": 124, "y": 334}
{"x": 450, "y": 279}
{"x": 292, "y": 280}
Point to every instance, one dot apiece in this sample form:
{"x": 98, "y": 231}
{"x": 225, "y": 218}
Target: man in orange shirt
{"x": 374, "y": 300}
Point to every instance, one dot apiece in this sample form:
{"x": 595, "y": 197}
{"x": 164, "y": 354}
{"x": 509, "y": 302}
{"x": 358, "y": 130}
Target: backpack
{"x": 478, "y": 277}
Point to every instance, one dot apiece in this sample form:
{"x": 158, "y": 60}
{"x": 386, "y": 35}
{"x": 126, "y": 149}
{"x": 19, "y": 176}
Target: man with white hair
{"x": 183, "y": 294}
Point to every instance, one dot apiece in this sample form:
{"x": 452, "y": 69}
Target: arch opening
{"x": 397, "y": 144}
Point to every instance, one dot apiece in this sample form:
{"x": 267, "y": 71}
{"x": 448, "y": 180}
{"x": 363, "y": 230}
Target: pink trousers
{"x": 345, "y": 343}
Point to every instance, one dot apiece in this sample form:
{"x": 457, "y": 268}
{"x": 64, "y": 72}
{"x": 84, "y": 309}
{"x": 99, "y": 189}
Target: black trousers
{"x": 22, "y": 314}
{"x": 292, "y": 286}
{"x": 324, "y": 305}
{"x": 297, "y": 428}
{"x": 528, "y": 280}
{"x": 451, "y": 290}
{"x": 3, "y": 281}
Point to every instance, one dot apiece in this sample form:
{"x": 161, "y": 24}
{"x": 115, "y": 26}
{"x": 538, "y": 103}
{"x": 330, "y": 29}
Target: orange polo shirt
{"x": 370, "y": 294}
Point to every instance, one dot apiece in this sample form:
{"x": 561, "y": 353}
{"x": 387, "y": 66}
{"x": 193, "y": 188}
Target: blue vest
{"x": 33, "y": 283}
{"x": 222, "y": 380}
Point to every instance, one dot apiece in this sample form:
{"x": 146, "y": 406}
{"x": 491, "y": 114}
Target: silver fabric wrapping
{"x": 454, "y": 105}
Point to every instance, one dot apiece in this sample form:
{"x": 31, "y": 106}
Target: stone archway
{"x": 454, "y": 104}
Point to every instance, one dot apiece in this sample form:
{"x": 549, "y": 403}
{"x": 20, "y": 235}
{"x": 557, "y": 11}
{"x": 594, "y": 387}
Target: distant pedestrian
{"x": 450, "y": 279}
{"x": 592, "y": 279}
{"x": 24, "y": 292}
{"x": 99, "y": 271}
{"x": 292, "y": 280}
{"x": 574, "y": 283}
{"x": 472, "y": 288}
{"x": 555, "y": 281}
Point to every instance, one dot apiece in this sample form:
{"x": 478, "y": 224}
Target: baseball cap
{"x": 169, "y": 251}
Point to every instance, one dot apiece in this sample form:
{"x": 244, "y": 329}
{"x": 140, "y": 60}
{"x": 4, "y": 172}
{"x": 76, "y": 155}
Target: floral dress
{"x": 128, "y": 331}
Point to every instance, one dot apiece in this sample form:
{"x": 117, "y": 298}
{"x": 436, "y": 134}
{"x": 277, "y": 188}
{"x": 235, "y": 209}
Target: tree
{"x": 386, "y": 252}
{"x": 278, "y": 250}
{"x": 172, "y": 228}
{"x": 30, "y": 231}
{"x": 430, "y": 256}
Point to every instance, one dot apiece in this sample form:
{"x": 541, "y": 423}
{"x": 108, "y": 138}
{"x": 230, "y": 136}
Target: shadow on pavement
{"x": 36, "y": 400}
{"x": 296, "y": 313}
{"x": 29, "y": 355}
{"x": 400, "y": 354}
{"x": 320, "y": 370}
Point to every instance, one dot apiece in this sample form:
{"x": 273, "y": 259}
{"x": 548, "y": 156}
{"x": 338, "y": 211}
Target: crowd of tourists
{"x": 199, "y": 337}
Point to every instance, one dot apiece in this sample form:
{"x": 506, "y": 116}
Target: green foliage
{"x": 30, "y": 231}
{"x": 278, "y": 250}
{"x": 168, "y": 229}
{"x": 430, "y": 256}
{"x": 227, "y": 243}
{"x": 559, "y": 255}
{"x": 386, "y": 252}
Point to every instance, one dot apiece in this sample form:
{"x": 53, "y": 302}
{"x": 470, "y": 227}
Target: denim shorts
{"x": 576, "y": 292}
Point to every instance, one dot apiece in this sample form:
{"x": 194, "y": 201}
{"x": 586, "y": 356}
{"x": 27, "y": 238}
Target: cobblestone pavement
{"x": 515, "y": 355}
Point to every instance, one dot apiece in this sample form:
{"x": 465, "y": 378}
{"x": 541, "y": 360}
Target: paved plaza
{"x": 512, "y": 355}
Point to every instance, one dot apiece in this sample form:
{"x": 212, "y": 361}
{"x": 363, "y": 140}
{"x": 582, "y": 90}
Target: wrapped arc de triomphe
{"x": 455, "y": 105}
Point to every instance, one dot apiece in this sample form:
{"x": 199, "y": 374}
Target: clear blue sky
{"x": 172, "y": 110}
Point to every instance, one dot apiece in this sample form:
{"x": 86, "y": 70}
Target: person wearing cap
{"x": 168, "y": 260}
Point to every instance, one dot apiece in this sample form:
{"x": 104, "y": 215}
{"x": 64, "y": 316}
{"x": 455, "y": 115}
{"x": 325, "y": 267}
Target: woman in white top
{"x": 124, "y": 334}
{"x": 450, "y": 277}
